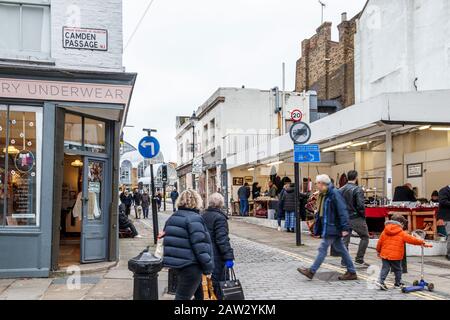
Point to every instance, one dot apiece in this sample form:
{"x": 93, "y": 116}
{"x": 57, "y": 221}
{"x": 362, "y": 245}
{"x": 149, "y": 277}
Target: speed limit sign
{"x": 296, "y": 115}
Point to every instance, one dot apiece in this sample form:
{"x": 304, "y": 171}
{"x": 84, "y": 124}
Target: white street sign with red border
{"x": 296, "y": 115}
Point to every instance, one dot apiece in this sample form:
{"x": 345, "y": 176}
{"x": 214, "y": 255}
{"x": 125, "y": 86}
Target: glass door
{"x": 94, "y": 235}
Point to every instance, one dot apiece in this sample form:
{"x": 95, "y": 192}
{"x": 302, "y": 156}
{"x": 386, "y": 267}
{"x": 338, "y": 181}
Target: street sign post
{"x": 296, "y": 115}
{"x": 149, "y": 148}
{"x": 307, "y": 153}
{"x": 300, "y": 134}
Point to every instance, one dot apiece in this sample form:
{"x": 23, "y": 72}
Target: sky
{"x": 185, "y": 49}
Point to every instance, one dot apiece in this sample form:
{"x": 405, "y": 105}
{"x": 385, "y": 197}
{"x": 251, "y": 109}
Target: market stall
{"x": 419, "y": 216}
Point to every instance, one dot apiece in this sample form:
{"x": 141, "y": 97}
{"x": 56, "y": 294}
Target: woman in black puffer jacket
{"x": 187, "y": 245}
{"x": 217, "y": 223}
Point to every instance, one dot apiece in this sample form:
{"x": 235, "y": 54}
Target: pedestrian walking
{"x": 332, "y": 224}
{"x": 281, "y": 214}
{"x": 174, "y": 196}
{"x": 354, "y": 198}
{"x": 391, "y": 249}
{"x": 288, "y": 201}
{"x": 444, "y": 213}
{"x": 216, "y": 221}
{"x": 244, "y": 194}
{"x": 187, "y": 245}
{"x": 127, "y": 199}
{"x": 137, "y": 199}
{"x": 146, "y": 201}
{"x": 158, "y": 200}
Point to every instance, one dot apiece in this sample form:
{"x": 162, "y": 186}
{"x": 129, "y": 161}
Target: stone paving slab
{"x": 61, "y": 292}
{"x": 27, "y": 289}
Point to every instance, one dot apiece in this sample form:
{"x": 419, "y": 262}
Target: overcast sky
{"x": 186, "y": 49}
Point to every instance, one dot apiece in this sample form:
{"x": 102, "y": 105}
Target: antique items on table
{"x": 262, "y": 206}
{"x": 419, "y": 216}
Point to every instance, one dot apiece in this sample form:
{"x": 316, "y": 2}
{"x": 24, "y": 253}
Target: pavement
{"x": 266, "y": 264}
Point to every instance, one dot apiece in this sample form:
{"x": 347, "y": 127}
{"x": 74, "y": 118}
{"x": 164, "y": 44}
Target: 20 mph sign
{"x": 296, "y": 115}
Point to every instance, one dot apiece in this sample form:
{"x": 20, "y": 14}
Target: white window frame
{"x": 27, "y": 54}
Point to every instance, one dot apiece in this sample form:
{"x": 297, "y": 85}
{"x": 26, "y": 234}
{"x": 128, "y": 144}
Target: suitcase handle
{"x": 230, "y": 273}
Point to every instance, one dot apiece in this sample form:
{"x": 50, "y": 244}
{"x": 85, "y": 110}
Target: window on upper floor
{"x": 25, "y": 29}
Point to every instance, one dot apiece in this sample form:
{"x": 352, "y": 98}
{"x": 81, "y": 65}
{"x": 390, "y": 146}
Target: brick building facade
{"x": 327, "y": 66}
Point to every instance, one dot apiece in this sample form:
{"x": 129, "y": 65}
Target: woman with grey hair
{"x": 187, "y": 245}
{"x": 217, "y": 225}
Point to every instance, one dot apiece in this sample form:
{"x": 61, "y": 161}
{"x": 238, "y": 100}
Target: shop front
{"x": 404, "y": 139}
{"x": 59, "y": 160}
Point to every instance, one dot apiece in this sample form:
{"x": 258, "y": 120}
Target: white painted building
{"x": 230, "y": 121}
{"x": 31, "y": 31}
{"x": 402, "y": 46}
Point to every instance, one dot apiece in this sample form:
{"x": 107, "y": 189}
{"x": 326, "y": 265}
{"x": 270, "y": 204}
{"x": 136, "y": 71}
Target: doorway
{"x": 84, "y": 214}
{"x": 71, "y": 211}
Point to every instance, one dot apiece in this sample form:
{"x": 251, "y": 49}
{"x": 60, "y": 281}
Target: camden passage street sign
{"x": 149, "y": 147}
{"x": 306, "y": 153}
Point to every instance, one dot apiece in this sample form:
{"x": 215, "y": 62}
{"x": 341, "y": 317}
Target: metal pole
{"x": 193, "y": 156}
{"x": 154, "y": 206}
{"x": 389, "y": 189}
{"x": 298, "y": 220}
{"x": 283, "y": 101}
{"x": 164, "y": 195}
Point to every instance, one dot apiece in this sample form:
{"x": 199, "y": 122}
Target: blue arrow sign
{"x": 149, "y": 147}
{"x": 306, "y": 153}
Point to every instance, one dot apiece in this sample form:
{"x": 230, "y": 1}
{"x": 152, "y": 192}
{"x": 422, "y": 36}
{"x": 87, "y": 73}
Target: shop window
{"x": 20, "y": 140}
{"x": 85, "y": 134}
{"x": 73, "y": 132}
{"x": 25, "y": 28}
{"x": 94, "y": 135}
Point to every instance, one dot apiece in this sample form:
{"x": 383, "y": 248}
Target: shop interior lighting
{"x": 11, "y": 150}
{"x": 358, "y": 144}
{"x": 251, "y": 169}
{"x": 275, "y": 163}
{"x": 440, "y": 128}
{"x": 77, "y": 164}
{"x": 338, "y": 146}
{"x": 424, "y": 128}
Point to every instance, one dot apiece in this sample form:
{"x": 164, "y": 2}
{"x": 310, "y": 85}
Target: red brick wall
{"x": 327, "y": 66}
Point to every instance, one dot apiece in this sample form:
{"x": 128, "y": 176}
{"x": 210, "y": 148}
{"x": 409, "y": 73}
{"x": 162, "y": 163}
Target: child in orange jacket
{"x": 391, "y": 249}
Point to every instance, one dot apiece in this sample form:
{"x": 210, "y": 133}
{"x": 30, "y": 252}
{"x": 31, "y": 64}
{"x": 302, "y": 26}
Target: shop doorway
{"x": 83, "y": 229}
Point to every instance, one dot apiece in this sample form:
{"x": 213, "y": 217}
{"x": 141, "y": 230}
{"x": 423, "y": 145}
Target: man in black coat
{"x": 444, "y": 213}
{"x": 404, "y": 193}
{"x": 217, "y": 225}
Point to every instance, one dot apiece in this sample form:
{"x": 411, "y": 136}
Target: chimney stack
{"x": 344, "y": 17}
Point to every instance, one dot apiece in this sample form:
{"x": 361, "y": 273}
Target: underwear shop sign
{"x": 85, "y": 39}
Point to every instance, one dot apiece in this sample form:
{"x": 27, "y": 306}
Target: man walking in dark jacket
{"x": 288, "y": 201}
{"x": 332, "y": 224}
{"x": 217, "y": 224}
{"x": 444, "y": 213}
{"x": 354, "y": 197}
{"x": 243, "y": 195}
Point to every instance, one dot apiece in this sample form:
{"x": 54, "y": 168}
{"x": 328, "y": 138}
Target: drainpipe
{"x": 389, "y": 189}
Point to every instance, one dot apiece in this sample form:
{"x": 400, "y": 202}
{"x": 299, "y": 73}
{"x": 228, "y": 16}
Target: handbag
{"x": 208, "y": 289}
{"x": 159, "y": 251}
{"x": 231, "y": 289}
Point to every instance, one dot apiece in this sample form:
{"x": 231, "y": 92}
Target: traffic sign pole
{"x": 142, "y": 148}
{"x": 298, "y": 220}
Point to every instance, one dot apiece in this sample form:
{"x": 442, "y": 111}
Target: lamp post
{"x": 194, "y": 120}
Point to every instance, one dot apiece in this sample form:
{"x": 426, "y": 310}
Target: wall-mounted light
{"x": 339, "y": 146}
{"x": 424, "y": 128}
{"x": 251, "y": 169}
{"x": 358, "y": 144}
{"x": 440, "y": 128}
{"x": 77, "y": 164}
{"x": 275, "y": 163}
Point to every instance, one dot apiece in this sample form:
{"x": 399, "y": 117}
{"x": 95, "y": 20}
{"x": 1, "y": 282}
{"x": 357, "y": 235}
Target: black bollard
{"x": 145, "y": 268}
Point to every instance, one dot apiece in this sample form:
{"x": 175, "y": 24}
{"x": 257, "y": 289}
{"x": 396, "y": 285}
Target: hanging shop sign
{"x": 85, "y": 39}
{"x": 64, "y": 91}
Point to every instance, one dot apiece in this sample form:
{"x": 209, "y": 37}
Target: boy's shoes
{"x": 382, "y": 286}
{"x": 361, "y": 264}
{"x": 306, "y": 272}
{"x": 399, "y": 285}
{"x": 348, "y": 276}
